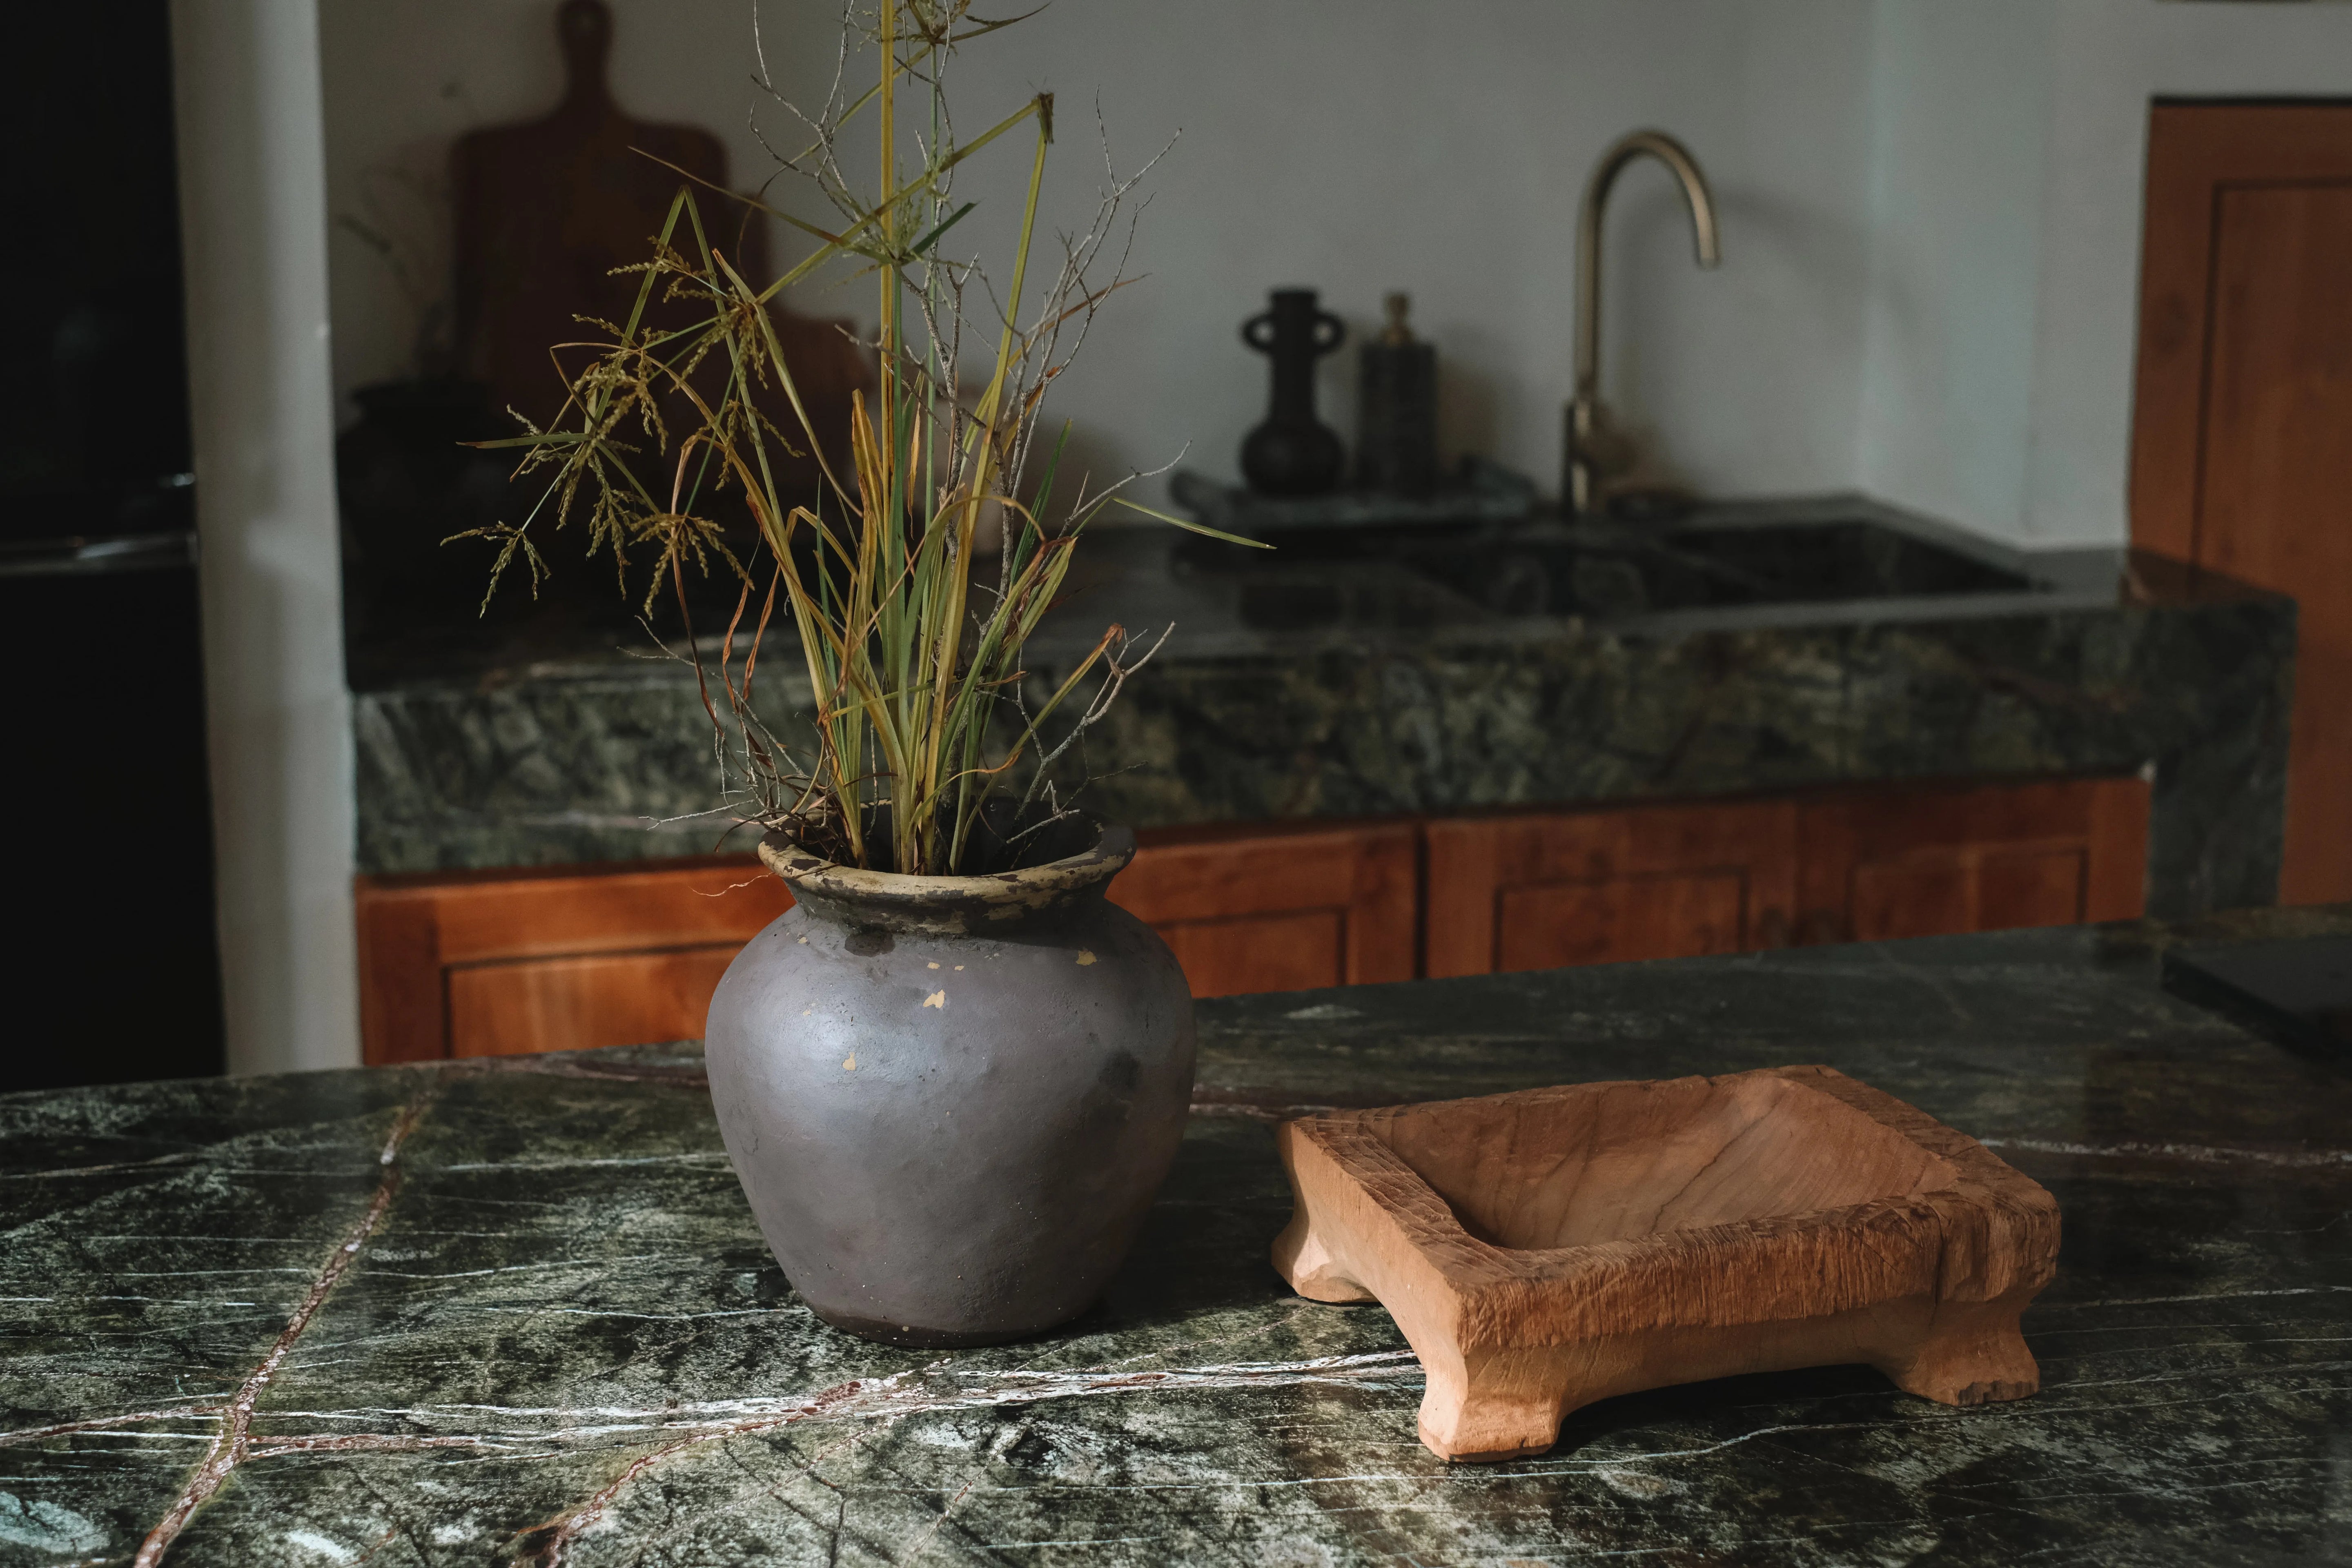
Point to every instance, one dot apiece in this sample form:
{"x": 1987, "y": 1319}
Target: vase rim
{"x": 897, "y": 901}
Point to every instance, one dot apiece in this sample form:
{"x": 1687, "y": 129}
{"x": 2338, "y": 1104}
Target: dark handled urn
{"x": 1292, "y": 453}
{"x": 951, "y": 1099}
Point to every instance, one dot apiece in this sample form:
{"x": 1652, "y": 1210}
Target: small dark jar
{"x": 1396, "y": 424}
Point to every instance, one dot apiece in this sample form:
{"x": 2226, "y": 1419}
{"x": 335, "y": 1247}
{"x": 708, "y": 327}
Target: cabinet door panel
{"x": 2033, "y": 887}
{"x": 1876, "y": 864}
{"x": 1945, "y": 892}
{"x": 1620, "y": 922}
{"x": 572, "y": 1004}
{"x": 1263, "y": 952}
{"x": 479, "y": 964}
{"x": 1280, "y": 911}
{"x": 610, "y": 912}
{"x": 1658, "y": 882}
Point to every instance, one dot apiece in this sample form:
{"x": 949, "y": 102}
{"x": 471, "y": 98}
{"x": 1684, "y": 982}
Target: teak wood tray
{"x": 1546, "y": 1248}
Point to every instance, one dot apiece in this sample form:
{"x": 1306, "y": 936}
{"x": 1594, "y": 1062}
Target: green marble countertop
{"x": 1378, "y": 682}
{"x": 516, "y": 1311}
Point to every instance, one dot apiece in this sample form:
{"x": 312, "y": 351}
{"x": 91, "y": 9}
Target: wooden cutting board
{"x": 547, "y": 209}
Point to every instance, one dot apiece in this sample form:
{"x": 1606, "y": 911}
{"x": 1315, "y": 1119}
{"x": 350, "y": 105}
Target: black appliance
{"x": 111, "y": 964}
{"x": 2298, "y": 990}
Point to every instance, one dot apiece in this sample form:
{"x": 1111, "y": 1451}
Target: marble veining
{"x": 515, "y": 1312}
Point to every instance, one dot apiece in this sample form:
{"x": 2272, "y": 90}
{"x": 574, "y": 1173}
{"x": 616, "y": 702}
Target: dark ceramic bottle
{"x": 1292, "y": 453}
{"x": 1396, "y": 423}
{"x": 951, "y": 1099}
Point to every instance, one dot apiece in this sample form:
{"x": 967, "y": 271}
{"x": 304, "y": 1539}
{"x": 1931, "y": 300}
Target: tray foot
{"x": 1301, "y": 1257}
{"x": 1971, "y": 1355}
{"x": 1499, "y": 1412}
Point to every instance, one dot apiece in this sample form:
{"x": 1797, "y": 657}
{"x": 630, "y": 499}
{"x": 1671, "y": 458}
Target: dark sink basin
{"x": 1800, "y": 563}
{"x": 1605, "y": 573}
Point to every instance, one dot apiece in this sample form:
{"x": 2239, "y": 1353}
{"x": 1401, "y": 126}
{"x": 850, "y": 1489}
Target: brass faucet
{"x": 1589, "y": 442}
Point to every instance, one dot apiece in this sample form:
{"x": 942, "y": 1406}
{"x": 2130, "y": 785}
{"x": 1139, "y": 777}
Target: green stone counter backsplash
{"x": 516, "y": 1311}
{"x": 1389, "y": 699}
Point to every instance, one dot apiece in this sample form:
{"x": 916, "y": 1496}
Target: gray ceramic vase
{"x": 951, "y": 1099}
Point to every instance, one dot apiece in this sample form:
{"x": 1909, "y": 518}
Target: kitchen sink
{"x": 1798, "y": 562}
{"x": 1615, "y": 573}
{"x": 1330, "y": 578}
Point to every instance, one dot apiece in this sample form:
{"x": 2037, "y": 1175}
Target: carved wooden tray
{"x": 1544, "y": 1249}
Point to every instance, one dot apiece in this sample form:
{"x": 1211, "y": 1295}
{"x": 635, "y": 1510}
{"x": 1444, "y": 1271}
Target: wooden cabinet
{"x": 2241, "y": 438}
{"x": 1537, "y": 891}
{"x": 495, "y": 964}
{"x": 1542, "y": 890}
{"x": 1246, "y": 910}
{"x": 492, "y": 963}
{"x": 1877, "y": 865}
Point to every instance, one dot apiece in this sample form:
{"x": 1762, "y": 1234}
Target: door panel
{"x": 1594, "y": 887}
{"x": 490, "y": 963}
{"x": 1247, "y": 910}
{"x": 1944, "y": 891}
{"x": 2241, "y": 443}
{"x": 1880, "y": 864}
{"x": 2033, "y": 887}
{"x": 1261, "y": 952}
{"x": 1620, "y": 922}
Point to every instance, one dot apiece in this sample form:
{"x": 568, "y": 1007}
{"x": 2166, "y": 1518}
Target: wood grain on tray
{"x": 1546, "y": 1248}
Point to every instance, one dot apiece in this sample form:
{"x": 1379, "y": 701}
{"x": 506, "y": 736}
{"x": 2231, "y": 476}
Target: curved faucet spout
{"x": 1583, "y": 413}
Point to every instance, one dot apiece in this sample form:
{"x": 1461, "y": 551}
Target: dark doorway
{"x": 111, "y": 963}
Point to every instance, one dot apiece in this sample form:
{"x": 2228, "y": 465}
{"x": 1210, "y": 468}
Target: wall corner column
{"x": 278, "y": 712}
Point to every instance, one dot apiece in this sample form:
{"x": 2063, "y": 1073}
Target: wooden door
{"x": 1246, "y": 910}
{"x": 1892, "y": 862}
{"x": 1538, "y": 891}
{"x": 496, "y": 963}
{"x": 2241, "y": 438}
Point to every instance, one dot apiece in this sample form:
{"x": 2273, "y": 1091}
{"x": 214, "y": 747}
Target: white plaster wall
{"x": 1960, "y": 113}
{"x": 2010, "y": 146}
{"x": 253, "y": 217}
{"x": 1354, "y": 146}
{"x": 1931, "y": 207}
{"x": 2110, "y": 58}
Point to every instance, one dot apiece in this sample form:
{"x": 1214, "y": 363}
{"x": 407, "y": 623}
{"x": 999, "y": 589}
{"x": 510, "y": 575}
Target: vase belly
{"x": 952, "y": 1139}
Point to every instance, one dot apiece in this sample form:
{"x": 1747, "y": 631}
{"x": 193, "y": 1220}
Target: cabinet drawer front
{"x": 571, "y": 1004}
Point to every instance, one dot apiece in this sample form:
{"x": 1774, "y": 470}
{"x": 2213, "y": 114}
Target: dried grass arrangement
{"x": 912, "y": 640}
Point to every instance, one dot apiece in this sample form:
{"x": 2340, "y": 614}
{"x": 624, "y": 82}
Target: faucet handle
{"x": 1598, "y": 452}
